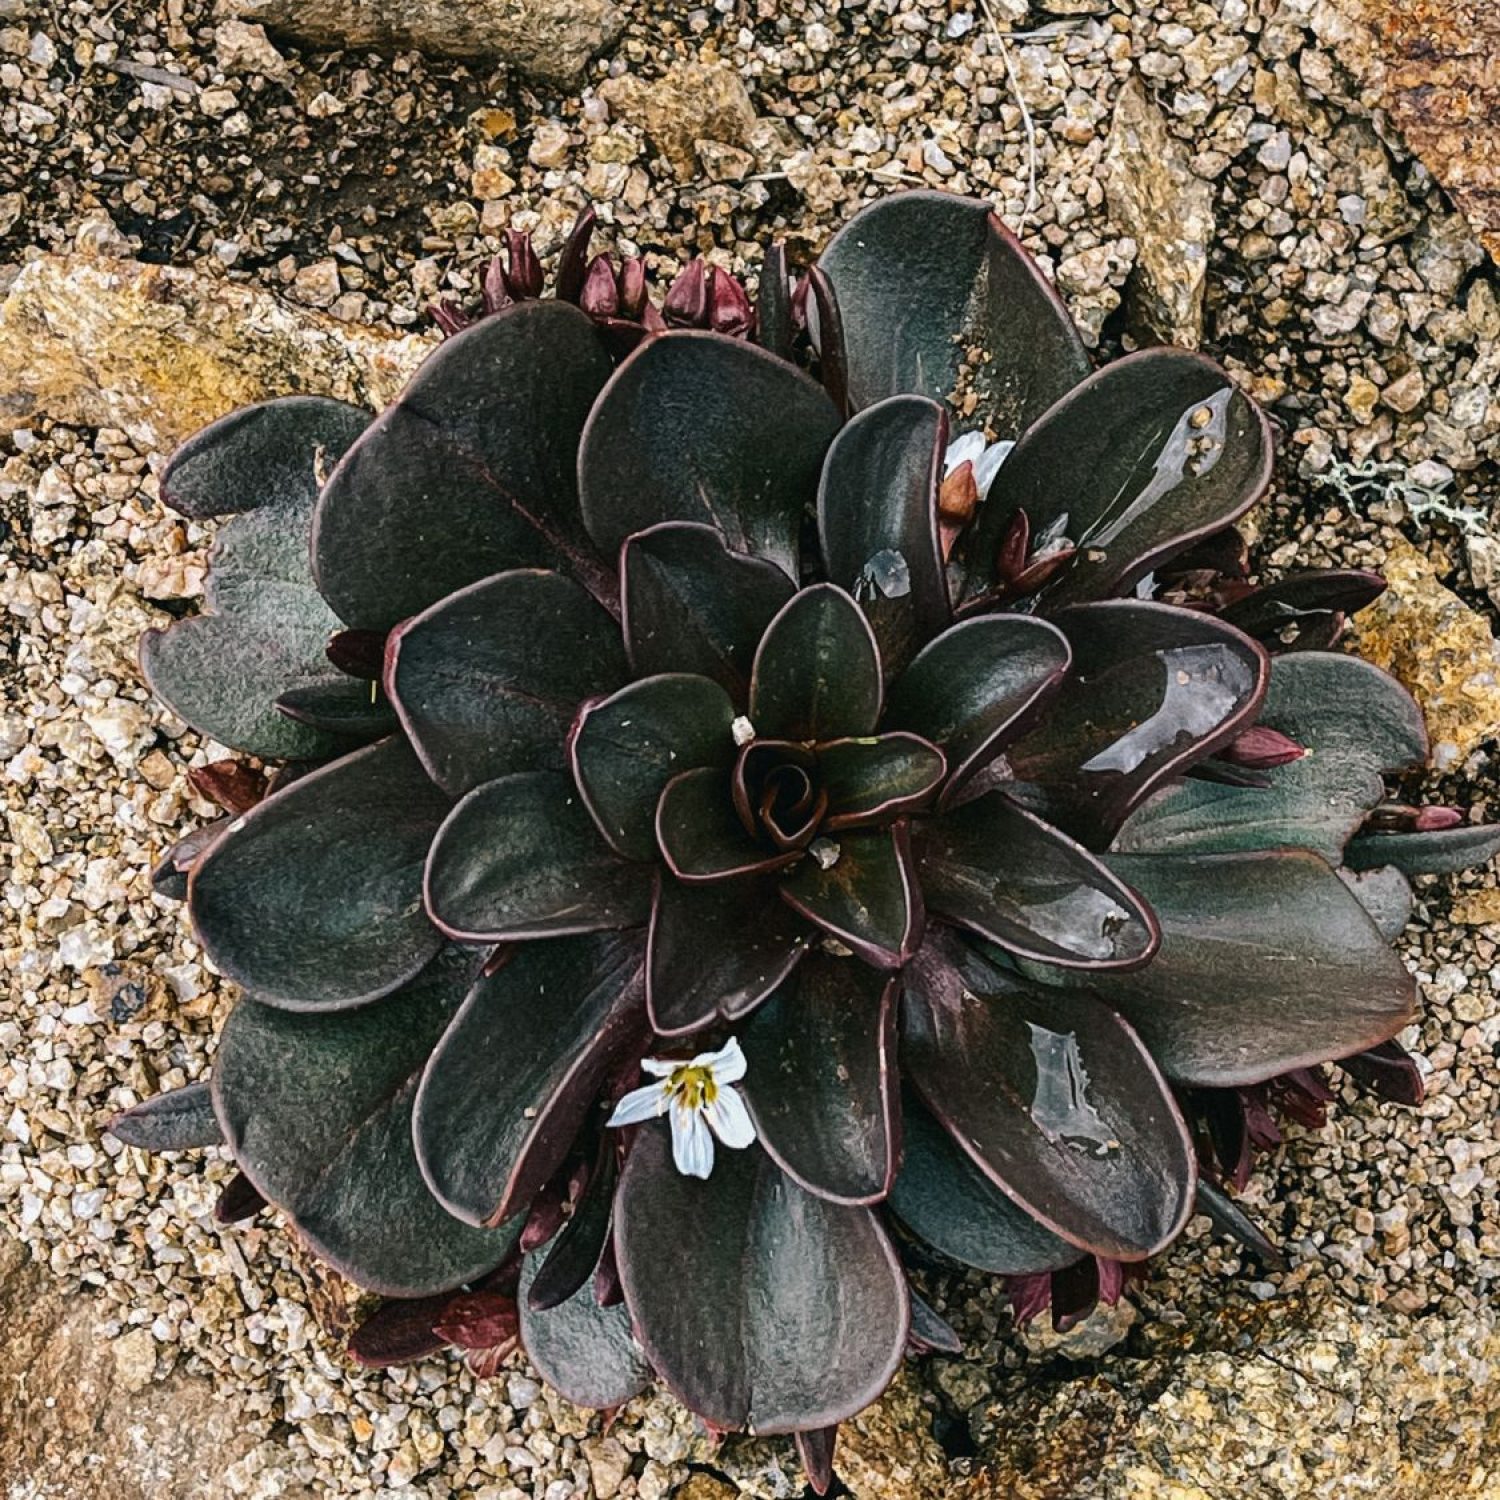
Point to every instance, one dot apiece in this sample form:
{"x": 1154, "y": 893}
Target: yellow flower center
{"x": 693, "y": 1088}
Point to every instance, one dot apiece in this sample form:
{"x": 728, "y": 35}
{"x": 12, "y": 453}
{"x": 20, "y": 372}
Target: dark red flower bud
{"x": 495, "y": 291}
{"x": 523, "y": 271}
{"x": 357, "y": 653}
{"x": 478, "y": 1320}
{"x": 546, "y": 1216}
{"x": 1015, "y": 543}
{"x": 686, "y": 304}
{"x": 1435, "y": 819}
{"x": 599, "y": 297}
{"x": 632, "y": 287}
{"x": 1260, "y": 747}
{"x": 449, "y": 317}
{"x": 729, "y": 310}
{"x": 572, "y": 262}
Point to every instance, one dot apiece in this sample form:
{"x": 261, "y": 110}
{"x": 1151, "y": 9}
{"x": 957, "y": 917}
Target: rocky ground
{"x": 196, "y": 211}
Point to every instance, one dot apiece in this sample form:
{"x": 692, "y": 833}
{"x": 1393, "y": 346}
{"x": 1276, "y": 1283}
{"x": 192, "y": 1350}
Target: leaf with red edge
{"x": 519, "y": 857}
{"x": 574, "y": 1251}
{"x": 697, "y": 426}
{"x": 181, "y": 1119}
{"x": 876, "y": 779}
{"x": 820, "y": 1082}
{"x": 817, "y": 670}
{"x": 1001, "y": 872}
{"x": 311, "y": 900}
{"x": 1053, "y": 1097}
{"x": 487, "y": 680}
{"x": 815, "y": 1450}
{"x": 781, "y": 1312}
{"x": 470, "y": 471}
{"x": 701, "y": 836}
{"x": 1152, "y": 690}
{"x": 867, "y": 897}
{"x": 535, "y": 1041}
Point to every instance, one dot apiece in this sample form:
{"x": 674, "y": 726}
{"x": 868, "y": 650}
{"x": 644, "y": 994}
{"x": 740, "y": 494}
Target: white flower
{"x": 971, "y": 447}
{"x": 701, "y": 1101}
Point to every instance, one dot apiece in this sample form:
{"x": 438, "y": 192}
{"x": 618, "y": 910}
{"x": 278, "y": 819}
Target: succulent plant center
{"x": 778, "y": 794}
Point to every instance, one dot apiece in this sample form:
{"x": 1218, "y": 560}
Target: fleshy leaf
{"x": 1053, "y": 1097}
{"x": 820, "y": 1082}
{"x": 698, "y": 426}
{"x": 760, "y": 1305}
{"x": 1138, "y": 462}
{"x": 690, "y": 604}
{"x": 470, "y": 471}
{"x": 878, "y": 500}
{"x": 817, "y": 670}
{"x": 977, "y": 686}
{"x": 1267, "y": 963}
{"x": 1355, "y": 722}
{"x": 1386, "y": 894}
{"x": 945, "y": 1199}
{"x": 487, "y": 681}
{"x": 999, "y": 870}
{"x": 399, "y": 1332}
{"x": 1302, "y": 599}
{"x": 937, "y": 297}
{"x": 519, "y": 857}
{"x": 573, "y": 1252}
{"x": 701, "y": 836}
{"x": 866, "y": 896}
{"x": 517, "y": 1073}
{"x": 312, "y": 899}
{"x": 1153, "y": 689}
{"x": 317, "y": 1110}
{"x": 1229, "y": 1218}
{"x": 222, "y": 672}
{"x": 717, "y": 950}
{"x": 874, "y": 780}
{"x": 349, "y": 711}
{"x": 585, "y": 1352}
{"x": 179, "y": 1120}
{"x": 1442, "y": 851}
{"x": 626, "y": 748}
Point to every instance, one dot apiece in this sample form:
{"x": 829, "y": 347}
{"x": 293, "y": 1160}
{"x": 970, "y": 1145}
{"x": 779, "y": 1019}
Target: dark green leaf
{"x": 875, "y": 779}
{"x": 1152, "y": 690}
{"x": 1145, "y": 457}
{"x": 877, "y": 509}
{"x": 701, "y": 836}
{"x": 627, "y": 747}
{"x": 689, "y": 604}
{"x": 1000, "y": 871}
{"x": 944, "y": 1198}
{"x": 520, "y": 857}
{"x": 698, "y": 426}
{"x": 1053, "y": 1097}
{"x": 487, "y": 681}
{"x": 1355, "y": 722}
{"x": 1442, "y": 851}
{"x": 937, "y": 297}
{"x": 585, "y": 1352}
{"x": 317, "y": 1110}
{"x": 312, "y": 900}
{"x": 1267, "y": 963}
{"x": 573, "y": 1252}
{"x": 518, "y": 1071}
{"x": 717, "y": 950}
{"x": 817, "y": 671}
{"x": 867, "y": 897}
{"x": 977, "y": 686}
{"x": 820, "y": 1080}
{"x": 179, "y": 1120}
{"x": 469, "y": 472}
{"x": 353, "y": 712}
{"x": 760, "y": 1305}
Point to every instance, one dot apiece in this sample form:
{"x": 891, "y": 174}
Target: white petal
{"x": 968, "y": 446}
{"x": 659, "y": 1067}
{"x": 692, "y": 1145}
{"x": 728, "y": 1063}
{"x": 988, "y": 465}
{"x": 729, "y": 1119}
{"x": 644, "y": 1103}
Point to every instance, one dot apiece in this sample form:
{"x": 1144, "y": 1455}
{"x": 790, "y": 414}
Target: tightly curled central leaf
{"x": 709, "y": 701}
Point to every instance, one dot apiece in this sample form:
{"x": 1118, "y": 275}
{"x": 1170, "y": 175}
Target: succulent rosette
{"x": 767, "y": 789}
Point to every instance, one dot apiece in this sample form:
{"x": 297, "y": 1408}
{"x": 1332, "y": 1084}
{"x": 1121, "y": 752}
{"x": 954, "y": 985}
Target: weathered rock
{"x": 66, "y": 1386}
{"x": 691, "y": 101}
{"x": 1478, "y": 908}
{"x": 1439, "y": 648}
{"x": 550, "y": 40}
{"x": 1155, "y": 197}
{"x": 159, "y": 352}
{"x": 888, "y": 1452}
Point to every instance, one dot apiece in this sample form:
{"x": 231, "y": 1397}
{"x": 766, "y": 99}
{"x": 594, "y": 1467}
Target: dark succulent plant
{"x": 681, "y": 747}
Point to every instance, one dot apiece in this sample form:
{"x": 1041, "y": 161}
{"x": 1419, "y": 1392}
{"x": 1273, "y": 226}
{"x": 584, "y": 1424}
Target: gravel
{"x": 1340, "y": 288}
